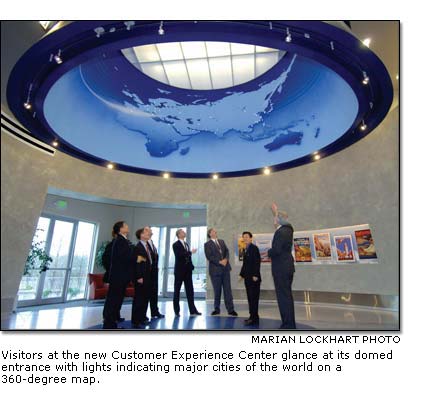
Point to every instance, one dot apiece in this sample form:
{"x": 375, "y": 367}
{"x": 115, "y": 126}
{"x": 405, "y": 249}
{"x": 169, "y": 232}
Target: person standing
{"x": 153, "y": 298}
{"x": 120, "y": 274}
{"x": 142, "y": 279}
{"x": 250, "y": 272}
{"x": 219, "y": 269}
{"x": 183, "y": 268}
{"x": 283, "y": 267}
{"x": 106, "y": 262}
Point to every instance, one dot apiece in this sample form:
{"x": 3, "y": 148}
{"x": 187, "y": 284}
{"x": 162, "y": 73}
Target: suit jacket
{"x": 106, "y": 260}
{"x": 251, "y": 263}
{"x": 155, "y": 256}
{"x": 281, "y": 251}
{"x": 213, "y": 255}
{"x": 122, "y": 261}
{"x": 142, "y": 269}
{"x": 183, "y": 259}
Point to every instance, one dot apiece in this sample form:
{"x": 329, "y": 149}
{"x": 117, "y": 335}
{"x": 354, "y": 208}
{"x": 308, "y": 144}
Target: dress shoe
{"x": 195, "y": 313}
{"x": 215, "y": 312}
{"x": 145, "y": 320}
{"x": 157, "y": 315}
{"x": 233, "y": 313}
{"x": 252, "y": 322}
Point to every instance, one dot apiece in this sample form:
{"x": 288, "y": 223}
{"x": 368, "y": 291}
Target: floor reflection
{"x": 309, "y": 316}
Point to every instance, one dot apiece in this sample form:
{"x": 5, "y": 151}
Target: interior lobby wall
{"x": 355, "y": 186}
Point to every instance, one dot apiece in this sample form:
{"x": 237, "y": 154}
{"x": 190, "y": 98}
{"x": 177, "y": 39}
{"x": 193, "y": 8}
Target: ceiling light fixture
{"x": 58, "y": 58}
{"x": 27, "y": 105}
{"x": 266, "y": 171}
{"x": 110, "y": 166}
{"x": 161, "y": 28}
{"x": 367, "y": 41}
{"x": 129, "y": 24}
{"x": 100, "y": 30}
{"x": 215, "y": 177}
{"x": 396, "y": 77}
{"x": 55, "y": 143}
{"x": 365, "y": 78}
{"x": 317, "y": 157}
{"x": 363, "y": 126}
{"x": 288, "y": 38}
{"x": 166, "y": 175}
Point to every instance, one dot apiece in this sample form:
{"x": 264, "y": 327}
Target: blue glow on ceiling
{"x": 107, "y": 108}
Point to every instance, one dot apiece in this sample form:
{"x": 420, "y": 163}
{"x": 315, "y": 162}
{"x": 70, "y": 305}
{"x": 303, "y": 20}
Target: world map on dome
{"x": 117, "y": 113}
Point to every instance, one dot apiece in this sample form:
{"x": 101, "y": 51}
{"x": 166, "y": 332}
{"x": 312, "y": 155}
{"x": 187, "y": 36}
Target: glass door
{"x": 70, "y": 244}
{"x": 196, "y": 237}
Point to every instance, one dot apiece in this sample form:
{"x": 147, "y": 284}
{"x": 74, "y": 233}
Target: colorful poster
{"x": 264, "y": 242}
{"x": 344, "y": 248}
{"x": 322, "y": 246}
{"x": 302, "y": 249}
{"x": 365, "y": 244}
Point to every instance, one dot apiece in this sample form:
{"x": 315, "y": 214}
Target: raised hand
{"x": 274, "y": 208}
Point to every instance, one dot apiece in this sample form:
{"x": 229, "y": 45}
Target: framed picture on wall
{"x": 365, "y": 244}
{"x": 344, "y": 248}
{"x": 302, "y": 249}
{"x": 322, "y": 246}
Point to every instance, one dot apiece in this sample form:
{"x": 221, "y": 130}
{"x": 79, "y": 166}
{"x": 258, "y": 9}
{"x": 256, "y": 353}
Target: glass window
{"x": 29, "y": 283}
{"x": 81, "y": 261}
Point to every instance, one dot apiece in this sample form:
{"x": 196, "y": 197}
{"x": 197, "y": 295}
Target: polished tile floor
{"x": 85, "y": 315}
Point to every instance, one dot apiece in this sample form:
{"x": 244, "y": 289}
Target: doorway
{"x": 70, "y": 243}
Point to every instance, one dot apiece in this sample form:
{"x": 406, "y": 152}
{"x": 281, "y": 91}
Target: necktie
{"x": 149, "y": 252}
{"x": 218, "y": 245}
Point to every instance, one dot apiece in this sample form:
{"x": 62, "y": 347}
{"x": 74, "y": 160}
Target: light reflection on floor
{"x": 317, "y": 316}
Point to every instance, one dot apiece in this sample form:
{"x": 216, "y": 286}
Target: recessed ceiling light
{"x": 166, "y": 175}
{"x": 27, "y": 105}
{"x": 363, "y": 126}
{"x": 317, "y": 157}
{"x": 110, "y": 166}
{"x": 266, "y": 171}
{"x": 367, "y": 41}
{"x": 55, "y": 143}
{"x": 215, "y": 176}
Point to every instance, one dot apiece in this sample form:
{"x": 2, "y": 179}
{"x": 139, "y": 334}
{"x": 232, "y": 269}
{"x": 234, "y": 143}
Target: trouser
{"x": 188, "y": 288}
{"x": 113, "y": 302}
{"x": 253, "y": 295}
{"x": 141, "y": 299}
{"x": 285, "y": 301}
{"x": 222, "y": 281}
{"x": 153, "y": 300}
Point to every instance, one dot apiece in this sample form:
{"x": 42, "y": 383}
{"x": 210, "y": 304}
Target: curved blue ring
{"x": 78, "y": 43}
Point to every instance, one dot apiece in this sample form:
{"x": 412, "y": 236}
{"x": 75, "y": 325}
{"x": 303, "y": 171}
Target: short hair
{"x": 140, "y": 231}
{"x": 117, "y": 227}
{"x": 283, "y": 214}
{"x": 209, "y": 232}
{"x": 247, "y": 233}
{"x": 179, "y": 230}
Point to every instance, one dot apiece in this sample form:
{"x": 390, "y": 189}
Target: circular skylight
{"x": 203, "y": 65}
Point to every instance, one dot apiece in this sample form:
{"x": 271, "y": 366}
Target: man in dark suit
{"x": 219, "y": 269}
{"x": 142, "y": 278}
{"x": 153, "y": 299}
{"x": 183, "y": 273}
{"x": 250, "y": 272}
{"x": 120, "y": 274}
{"x": 283, "y": 267}
{"x": 106, "y": 262}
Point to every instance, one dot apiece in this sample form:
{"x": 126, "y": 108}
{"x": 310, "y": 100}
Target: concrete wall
{"x": 357, "y": 185}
